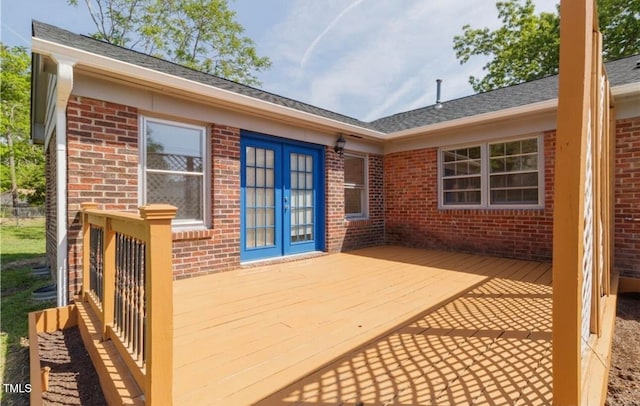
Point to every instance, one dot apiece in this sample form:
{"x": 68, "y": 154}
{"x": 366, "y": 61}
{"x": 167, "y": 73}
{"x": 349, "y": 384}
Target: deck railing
{"x": 127, "y": 263}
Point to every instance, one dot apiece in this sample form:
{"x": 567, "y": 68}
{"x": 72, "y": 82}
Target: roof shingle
{"x": 620, "y": 72}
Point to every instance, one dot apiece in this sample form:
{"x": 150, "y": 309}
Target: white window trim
{"x": 177, "y": 225}
{"x": 364, "y": 215}
{"x": 484, "y": 178}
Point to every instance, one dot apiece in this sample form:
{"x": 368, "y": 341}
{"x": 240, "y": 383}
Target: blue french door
{"x": 282, "y": 197}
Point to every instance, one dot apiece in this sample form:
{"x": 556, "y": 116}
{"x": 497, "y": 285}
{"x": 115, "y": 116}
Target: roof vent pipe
{"x": 439, "y": 86}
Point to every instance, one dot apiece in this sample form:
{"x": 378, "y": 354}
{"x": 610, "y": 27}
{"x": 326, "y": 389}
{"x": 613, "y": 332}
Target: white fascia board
{"x": 538, "y": 107}
{"x": 630, "y": 89}
{"x": 121, "y": 68}
{"x": 621, "y": 91}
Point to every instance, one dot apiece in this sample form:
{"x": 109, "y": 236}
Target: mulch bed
{"x": 73, "y": 379}
{"x": 624, "y": 375}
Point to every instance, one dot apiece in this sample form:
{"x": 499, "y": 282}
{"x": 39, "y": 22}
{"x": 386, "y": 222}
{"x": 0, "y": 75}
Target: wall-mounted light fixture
{"x": 340, "y": 143}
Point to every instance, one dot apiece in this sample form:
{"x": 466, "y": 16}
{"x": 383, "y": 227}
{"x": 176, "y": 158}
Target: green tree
{"x": 21, "y": 164}
{"x": 200, "y": 34}
{"x": 527, "y": 45}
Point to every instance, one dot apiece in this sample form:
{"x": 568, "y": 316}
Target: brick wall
{"x": 102, "y": 167}
{"x": 627, "y": 197}
{"x": 51, "y": 215}
{"x": 202, "y": 252}
{"x": 102, "y": 154}
{"x": 412, "y": 216}
{"x": 344, "y": 235}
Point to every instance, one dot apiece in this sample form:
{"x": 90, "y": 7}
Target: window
{"x": 355, "y": 189}
{"x": 503, "y": 174}
{"x": 174, "y": 164}
{"x": 461, "y": 178}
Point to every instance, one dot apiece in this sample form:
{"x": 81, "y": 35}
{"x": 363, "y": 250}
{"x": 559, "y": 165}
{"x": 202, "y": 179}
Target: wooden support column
{"x": 159, "y": 297}
{"x": 576, "y": 26}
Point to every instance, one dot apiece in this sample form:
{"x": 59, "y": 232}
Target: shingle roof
{"x": 54, "y": 34}
{"x": 620, "y": 72}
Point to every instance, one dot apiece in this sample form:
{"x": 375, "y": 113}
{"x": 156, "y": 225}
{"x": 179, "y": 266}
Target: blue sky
{"x": 362, "y": 58}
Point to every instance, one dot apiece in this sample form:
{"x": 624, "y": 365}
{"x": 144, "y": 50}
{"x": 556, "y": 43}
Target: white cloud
{"x": 373, "y": 58}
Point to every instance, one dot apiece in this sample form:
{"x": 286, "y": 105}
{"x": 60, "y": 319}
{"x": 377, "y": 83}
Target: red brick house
{"x": 257, "y": 176}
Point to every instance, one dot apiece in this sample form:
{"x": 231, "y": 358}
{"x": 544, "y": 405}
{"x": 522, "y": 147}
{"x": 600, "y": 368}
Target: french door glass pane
{"x": 302, "y": 206}
{"x": 259, "y": 197}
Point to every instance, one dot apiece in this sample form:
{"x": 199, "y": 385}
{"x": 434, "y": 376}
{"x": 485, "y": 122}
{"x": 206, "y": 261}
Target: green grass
{"x": 21, "y": 247}
{"x": 22, "y": 241}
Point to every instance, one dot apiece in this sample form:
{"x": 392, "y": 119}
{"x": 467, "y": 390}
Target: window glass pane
{"x": 250, "y": 238}
{"x": 512, "y": 164}
{"x": 461, "y": 183}
{"x": 260, "y": 159}
{"x": 512, "y": 148}
{"x": 529, "y": 146}
{"x": 462, "y": 198}
{"x": 251, "y": 156}
{"x": 450, "y": 169}
{"x": 271, "y": 236}
{"x": 497, "y": 165}
{"x": 251, "y": 197}
{"x": 251, "y": 177}
{"x": 353, "y": 201}
{"x": 354, "y": 170}
{"x": 260, "y": 177}
{"x": 529, "y": 162}
{"x": 474, "y": 153}
{"x": 260, "y": 237}
{"x": 250, "y": 216}
{"x": 269, "y": 159}
{"x": 182, "y": 191}
{"x": 174, "y": 148}
{"x": 449, "y": 156}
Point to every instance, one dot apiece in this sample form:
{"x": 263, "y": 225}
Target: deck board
{"x": 385, "y": 325}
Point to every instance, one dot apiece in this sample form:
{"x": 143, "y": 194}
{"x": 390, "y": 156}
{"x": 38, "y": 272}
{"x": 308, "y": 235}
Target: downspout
{"x": 64, "y": 86}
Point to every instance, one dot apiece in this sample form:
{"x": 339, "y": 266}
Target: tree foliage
{"x": 15, "y": 87}
{"x": 527, "y": 45}
{"x": 200, "y": 34}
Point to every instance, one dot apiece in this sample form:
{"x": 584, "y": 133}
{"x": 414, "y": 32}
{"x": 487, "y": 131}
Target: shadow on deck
{"x": 491, "y": 345}
{"x": 386, "y": 325}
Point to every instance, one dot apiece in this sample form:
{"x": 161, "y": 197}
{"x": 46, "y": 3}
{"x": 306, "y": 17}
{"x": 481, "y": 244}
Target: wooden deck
{"x": 385, "y": 325}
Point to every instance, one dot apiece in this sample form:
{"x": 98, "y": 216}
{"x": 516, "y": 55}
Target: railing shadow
{"x": 492, "y": 344}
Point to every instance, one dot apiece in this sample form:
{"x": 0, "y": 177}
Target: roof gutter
{"x": 630, "y": 89}
{"x": 119, "y": 68}
{"x": 539, "y": 107}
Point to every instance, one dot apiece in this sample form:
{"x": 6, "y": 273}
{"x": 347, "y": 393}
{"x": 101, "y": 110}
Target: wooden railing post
{"x": 159, "y": 306}
{"x": 86, "y": 246}
{"x": 109, "y": 278}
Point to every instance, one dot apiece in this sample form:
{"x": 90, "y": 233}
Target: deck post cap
{"x": 158, "y": 211}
